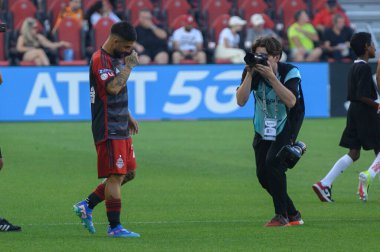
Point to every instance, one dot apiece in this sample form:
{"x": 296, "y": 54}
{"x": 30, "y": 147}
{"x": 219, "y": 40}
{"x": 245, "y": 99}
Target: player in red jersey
{"x": 112, "y": 126}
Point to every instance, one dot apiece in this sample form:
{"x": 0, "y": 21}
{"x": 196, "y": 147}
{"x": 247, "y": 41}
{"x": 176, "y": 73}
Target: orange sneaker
{"x": 296, "y": 220}
{"x": 278, "y": 221}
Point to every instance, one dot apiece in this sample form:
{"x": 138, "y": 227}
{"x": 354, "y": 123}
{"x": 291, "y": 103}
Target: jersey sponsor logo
{"x": 101, "y": 71}
{"x": 119, "y": 162}
{"x": 111, "y": 74}
{"x": 104, "y": 76}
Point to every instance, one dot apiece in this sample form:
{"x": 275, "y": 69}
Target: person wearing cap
{"x": 229, "y": 40}
{"x": 188, "y": 43}
{"x": 302, "y": 36}
{"x": 324, "y": 18}
{"x": 258, "y": 30}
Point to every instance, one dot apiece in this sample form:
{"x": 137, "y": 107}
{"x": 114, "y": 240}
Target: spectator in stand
{"x": 188, "y": 43}
{"x": 151, "y": 41}
{"x": 31, "y": 43}
{"x": 324, "y": 18}
{"x": 258, "y": 30}
{"x": 229, "y": 40}
{"x": 337, "y": 40}
{"x": 73, "y": 10}
{"x": 302, "y": 38}
{"x": 99, "y": 10}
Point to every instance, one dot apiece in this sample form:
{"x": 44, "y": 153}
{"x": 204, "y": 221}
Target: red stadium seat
{"x": 218, "y": 25}
{"x": 70, "y": 30}
{"x": 249, "y": 7}
{"x": 101, "y": 31}
{"x": 4, "y": 45}
{"x": 173, "y": 8}
{"x": 20, "y": 10}
{"x": 288, "y": 8}
{"x": 212, "y": 9}
{"x": 54, "y": 7}
{"x": 134, "y": 6}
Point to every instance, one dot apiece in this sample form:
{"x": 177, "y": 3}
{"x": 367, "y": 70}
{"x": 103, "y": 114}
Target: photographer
{"x": 279, "y": 111}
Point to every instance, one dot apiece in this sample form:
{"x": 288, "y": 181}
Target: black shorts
{"x": 362, "y": 128}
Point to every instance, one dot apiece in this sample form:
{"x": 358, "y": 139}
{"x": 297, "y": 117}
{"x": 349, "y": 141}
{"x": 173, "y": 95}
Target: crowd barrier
{"x": 155, "y": 92}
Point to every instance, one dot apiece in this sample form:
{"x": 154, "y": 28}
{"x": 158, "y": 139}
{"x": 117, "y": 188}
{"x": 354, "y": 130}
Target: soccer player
{"x": 363, "y": 122}
{"x": 112, "y": 126}
{"x": 278, "y": 100}
{"x": 6, "y": 226}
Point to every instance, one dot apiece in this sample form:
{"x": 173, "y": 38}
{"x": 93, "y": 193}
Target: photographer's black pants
{"x": 271, "y": 173}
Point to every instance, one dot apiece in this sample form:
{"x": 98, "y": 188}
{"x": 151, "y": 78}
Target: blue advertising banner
{"x": 155, "y": 92}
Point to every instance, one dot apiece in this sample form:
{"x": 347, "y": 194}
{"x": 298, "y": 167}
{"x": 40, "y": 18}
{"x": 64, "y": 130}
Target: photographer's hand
{"x": 285, "y": 95}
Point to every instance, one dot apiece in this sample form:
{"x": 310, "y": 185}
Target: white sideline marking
{"x": 185, "y": 222}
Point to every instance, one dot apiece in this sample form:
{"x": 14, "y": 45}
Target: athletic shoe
{"x": 364, "y": 183}
{"x": 85, "y": 214}
{"x": 323, "y": 192}
{"x": 6, "y": 226}
{"x": 295, "y": 219}
{"x": 119, "y": 231}
{"x": 278, "y": 221}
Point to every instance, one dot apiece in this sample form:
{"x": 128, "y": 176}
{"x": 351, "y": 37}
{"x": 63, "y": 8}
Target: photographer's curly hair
{"x": 272, "y": 45}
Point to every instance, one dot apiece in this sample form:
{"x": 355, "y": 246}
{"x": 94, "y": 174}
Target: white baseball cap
{"x": 257, "y": 19}
{"x": 235, "y": 20}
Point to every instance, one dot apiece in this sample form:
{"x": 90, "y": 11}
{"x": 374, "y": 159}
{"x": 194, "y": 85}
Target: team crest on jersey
{"x": 120, "y": 162}
{"x": 104, "y": 76}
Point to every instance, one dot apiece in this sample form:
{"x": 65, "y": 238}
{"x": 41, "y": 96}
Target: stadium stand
{"x": 69, "y": 30}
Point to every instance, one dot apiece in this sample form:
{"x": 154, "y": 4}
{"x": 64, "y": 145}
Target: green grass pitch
{"x": 195, "y": 190}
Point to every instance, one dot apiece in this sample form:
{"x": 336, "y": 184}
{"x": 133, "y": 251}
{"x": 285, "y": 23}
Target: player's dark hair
{"x": 272, "y": 45}
{"x": 359, "y": 41}
{"x": 124, "y": 30}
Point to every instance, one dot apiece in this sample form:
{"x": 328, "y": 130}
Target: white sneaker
{"x": 364, "y": 183}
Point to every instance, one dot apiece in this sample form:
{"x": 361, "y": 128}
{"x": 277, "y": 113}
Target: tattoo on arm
{"x": 120, "y": 81}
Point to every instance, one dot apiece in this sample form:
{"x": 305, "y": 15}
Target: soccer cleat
{"x": 295, "y": 220}
{"x": 364, "y": 183}
{"x": 85, "y": 214}
{"x": 119, "y": 231}
{"x": 323, "y": 192}
{"x": 278, "y": 221}
{"x": 6, "y": 226}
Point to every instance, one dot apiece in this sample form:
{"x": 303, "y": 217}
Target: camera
{"x": 3, "y": 27}
{"x": 252, "y": 59}
{"x": 291, "y": 153}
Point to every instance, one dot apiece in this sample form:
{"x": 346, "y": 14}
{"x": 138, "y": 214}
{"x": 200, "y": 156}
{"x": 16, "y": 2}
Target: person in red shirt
{"x": 324, "y": 18}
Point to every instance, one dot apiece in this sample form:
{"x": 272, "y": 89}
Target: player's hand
{"x": 133, "y": 126}
{"x": 132, "y": 60}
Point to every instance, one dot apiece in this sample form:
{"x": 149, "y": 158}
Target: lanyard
{"x": 263, "y": 103}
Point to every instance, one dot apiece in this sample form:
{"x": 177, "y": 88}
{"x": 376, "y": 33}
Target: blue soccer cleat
{"x": 85, "y": 214}
{"x": 119, "y": 231}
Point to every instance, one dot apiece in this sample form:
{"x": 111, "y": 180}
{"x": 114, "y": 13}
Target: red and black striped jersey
{"x": 109, "y": 112}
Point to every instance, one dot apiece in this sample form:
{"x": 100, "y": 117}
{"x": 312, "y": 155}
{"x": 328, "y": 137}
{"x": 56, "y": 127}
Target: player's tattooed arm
{"x": 120, "y": 81}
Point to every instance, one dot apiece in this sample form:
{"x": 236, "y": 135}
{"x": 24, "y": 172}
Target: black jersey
{"x": 109, "y": 112}
{"x": 360, "y": 82}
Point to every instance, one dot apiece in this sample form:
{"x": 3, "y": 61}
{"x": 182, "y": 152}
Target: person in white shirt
{"x": 188, "y": 43}
{"x": 229, "y": 39}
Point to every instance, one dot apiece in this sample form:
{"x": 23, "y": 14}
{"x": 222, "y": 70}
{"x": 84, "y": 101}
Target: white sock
{"x": 337, "y": 169}
{"x": 375, "y": 166}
